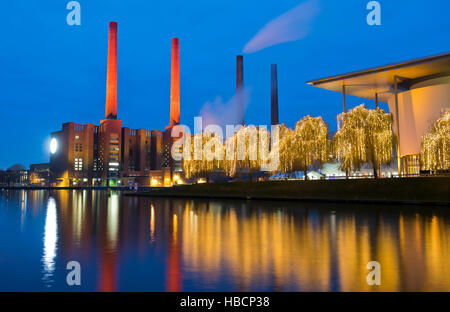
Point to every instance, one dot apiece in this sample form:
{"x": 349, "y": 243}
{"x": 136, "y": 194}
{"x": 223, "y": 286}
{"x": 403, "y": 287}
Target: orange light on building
{"x": 175, "y": 84}
{"x": 177, "y": 179}
{"x": 155, "y": 182}
{"x": 167, "y": 180}
{"x": 111, "y": 79}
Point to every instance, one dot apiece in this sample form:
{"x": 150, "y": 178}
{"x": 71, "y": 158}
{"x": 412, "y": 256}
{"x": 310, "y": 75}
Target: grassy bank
{"x": 408, "y": 190}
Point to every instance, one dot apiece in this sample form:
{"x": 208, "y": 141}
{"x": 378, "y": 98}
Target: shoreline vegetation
{"x": 419, "y": 191}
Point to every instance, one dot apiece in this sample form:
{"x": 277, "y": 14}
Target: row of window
{"x": 113, "y": 154}
{"x": 78, "y": 147}
{"x": 79, "y": 128}
{"x": 147, "y": 133}
{"x": 113, "y": 165}
{"x": 78, "y": 164}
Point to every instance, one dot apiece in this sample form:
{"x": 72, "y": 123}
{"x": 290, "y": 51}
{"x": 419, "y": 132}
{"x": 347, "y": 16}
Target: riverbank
{"x": 425, "y": 191}
{"x": 117, "y": 188}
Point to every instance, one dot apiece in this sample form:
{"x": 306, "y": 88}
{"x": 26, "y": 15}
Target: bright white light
{"x": 53, "y": 145}
{"x": 50, "y": 239}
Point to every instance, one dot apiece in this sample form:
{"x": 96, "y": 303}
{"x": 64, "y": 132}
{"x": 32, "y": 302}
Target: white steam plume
{"x": 223, "y": 113}
{"x": 293, "y": 25}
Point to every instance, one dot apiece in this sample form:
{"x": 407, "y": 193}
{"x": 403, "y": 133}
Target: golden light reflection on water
{"x": 233, "y": 245}
{"x": 267, "y": 248}
{"x": 152, "y": 223}
{"x": 298, "y": 250}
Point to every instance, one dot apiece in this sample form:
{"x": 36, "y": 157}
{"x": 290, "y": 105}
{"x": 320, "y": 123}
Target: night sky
{"x": 53, "y": 73}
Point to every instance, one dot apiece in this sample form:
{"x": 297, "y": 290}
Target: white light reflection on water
{"x": 50, "y": 242}
{"x": 112, "y": 229}
{"x": 23, "y": 208}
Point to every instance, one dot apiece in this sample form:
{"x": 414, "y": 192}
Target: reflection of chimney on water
{"x": 173, "y": 262}
{"x": 109, "y": 245}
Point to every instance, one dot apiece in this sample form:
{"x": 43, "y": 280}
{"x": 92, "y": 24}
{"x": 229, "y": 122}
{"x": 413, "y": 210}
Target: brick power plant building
{"x": 110, "y": 154}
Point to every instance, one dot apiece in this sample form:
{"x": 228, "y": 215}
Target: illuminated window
{"x": 78, "y": 164}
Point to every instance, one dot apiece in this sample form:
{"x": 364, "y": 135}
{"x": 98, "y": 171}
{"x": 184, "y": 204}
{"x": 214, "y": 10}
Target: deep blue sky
{"x": 52, "y": 73}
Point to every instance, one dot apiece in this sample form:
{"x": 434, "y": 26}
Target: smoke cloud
{"x": 293, "y": 25}
{"x": 223, "y": 113}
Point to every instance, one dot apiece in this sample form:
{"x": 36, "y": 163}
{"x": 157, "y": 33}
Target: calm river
{"x": 128, "y": 243}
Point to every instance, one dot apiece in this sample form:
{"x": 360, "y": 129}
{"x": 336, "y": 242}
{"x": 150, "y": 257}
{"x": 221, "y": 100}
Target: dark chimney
{"x": 240, "y": 87}
{"x": 274, "y": 95}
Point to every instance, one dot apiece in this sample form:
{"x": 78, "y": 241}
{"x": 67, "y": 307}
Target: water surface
{"x": 147, "y": 244}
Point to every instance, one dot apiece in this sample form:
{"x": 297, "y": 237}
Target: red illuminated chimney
{"x": 274, "y": 95}
{"x": 240, "y": 87}
{"x": 175, "y": 84}
{"x": 111, "y": 79}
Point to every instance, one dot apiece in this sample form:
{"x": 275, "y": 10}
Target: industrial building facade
{"x": 89, "y": 155}
{"x": 109, "y": 154}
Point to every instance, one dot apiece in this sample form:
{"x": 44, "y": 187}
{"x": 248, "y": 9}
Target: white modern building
{"x": 417, "y": 92}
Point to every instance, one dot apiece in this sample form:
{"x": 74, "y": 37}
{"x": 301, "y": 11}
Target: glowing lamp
{"x": 155, "y": 182}
{"x": 53, "y": 146}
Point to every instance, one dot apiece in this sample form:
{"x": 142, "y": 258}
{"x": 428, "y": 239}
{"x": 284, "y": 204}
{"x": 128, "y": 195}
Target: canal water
{"x": 127, "y": 243}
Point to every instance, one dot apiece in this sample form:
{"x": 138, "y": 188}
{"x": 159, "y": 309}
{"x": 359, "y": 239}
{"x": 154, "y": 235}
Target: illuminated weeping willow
{"x": 251, "y": 148}
{"x": 435, "y": 148}
{"x": 379, "y": 138}
{"x": 305, "y": 146}
{"x": 310, "y": 144}
{"x": 202, "y": 154}
{"x": 190, "y": 166}
{"x": 230, "y": 161}
{"x": 286, "y": 161}
{"x": 246, "y": 150}
{"x": 363, "y": 136}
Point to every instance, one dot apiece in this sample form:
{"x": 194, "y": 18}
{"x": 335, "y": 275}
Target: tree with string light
{"x": 363, "y": 136}
{"x": 310, "y": 144}
{"x": 247, "y": 151}
{"x": 286, "y": 161}
{"x": 202, "y": 155}
{"x": 435, "y": 147}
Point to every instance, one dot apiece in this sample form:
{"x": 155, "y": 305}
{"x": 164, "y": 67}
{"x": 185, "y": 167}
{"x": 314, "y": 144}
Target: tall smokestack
{"x": 274, "y": 95}
{"x": 240, "y": 87}
{"x": 111, "y": 78}
{"x": 175, "y": 84}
